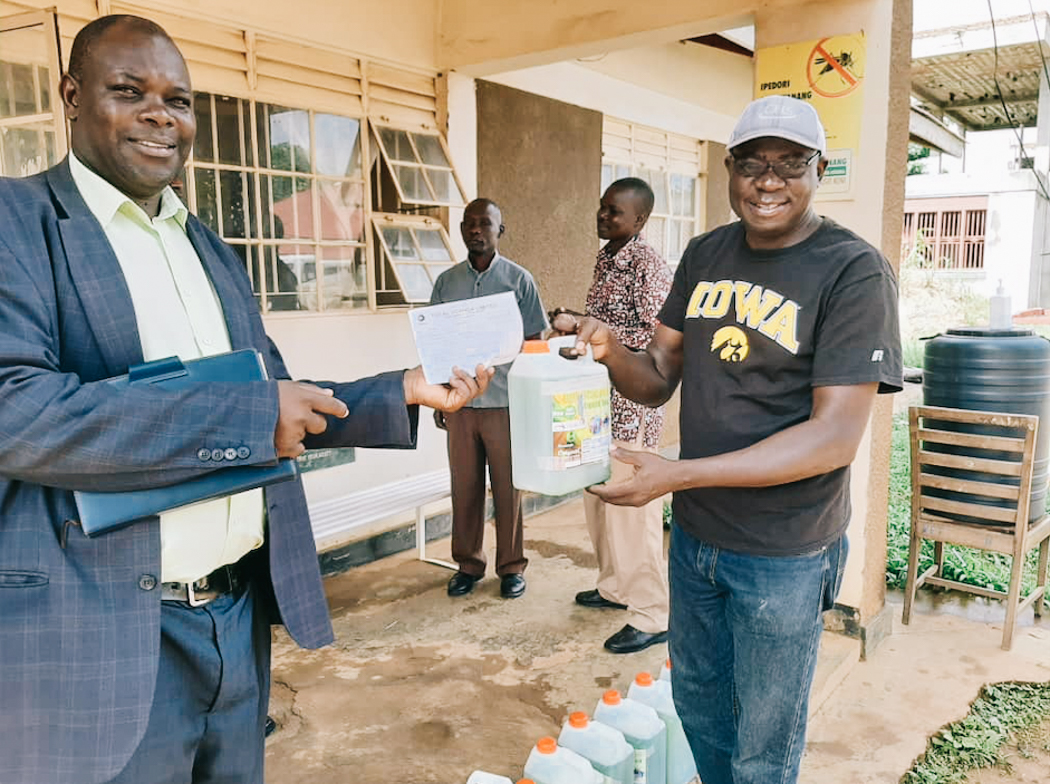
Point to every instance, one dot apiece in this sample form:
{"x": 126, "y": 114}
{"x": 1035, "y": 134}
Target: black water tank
{"x": 983, "y": 369}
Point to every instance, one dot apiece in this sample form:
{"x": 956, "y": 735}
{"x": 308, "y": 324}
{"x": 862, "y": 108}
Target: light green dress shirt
{"x": 178, "y": 314}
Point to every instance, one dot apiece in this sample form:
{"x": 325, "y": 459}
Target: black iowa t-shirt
{"x": 761, "y": 329}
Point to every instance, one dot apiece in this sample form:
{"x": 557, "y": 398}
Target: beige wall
{"x": 397, "y": 31}
{"x": 511, "y": 34}
{"x": 700, "y": 76}
{"x": 574, "y": 83}
{"x": 340, "y": 348}
{"x": 541, "y": 160}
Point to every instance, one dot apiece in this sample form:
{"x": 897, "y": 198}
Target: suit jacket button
{"x": 204, "y": 454}
{"x": 230, "y": 454}
{"x": 244, "y": 453}
{"x": 217, "y": 454}
{"x": 147, "y": 582}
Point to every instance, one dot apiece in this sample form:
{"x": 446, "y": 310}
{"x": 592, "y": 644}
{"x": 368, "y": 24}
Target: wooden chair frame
{"x": 1007, "y": 529}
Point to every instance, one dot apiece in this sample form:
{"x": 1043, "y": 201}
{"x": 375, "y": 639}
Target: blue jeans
{"x": 743, "y": 641}
{"x": 209, "y": 709}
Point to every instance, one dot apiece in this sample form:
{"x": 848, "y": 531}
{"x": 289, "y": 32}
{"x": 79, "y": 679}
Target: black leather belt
{"x": 224, "y": 580}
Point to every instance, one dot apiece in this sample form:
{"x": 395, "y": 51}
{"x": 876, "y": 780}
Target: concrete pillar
{"x": 875, "y": 211}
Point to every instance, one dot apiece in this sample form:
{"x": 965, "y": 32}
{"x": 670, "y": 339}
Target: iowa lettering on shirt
{"x": 759, "y": 309}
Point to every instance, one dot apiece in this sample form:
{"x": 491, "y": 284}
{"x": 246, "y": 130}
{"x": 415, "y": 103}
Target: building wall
{"x": 648, "y": 105}
{"x": 700, "y": 76}
{"x": 540, "y": 159}
{"x": 1010, "y": 231}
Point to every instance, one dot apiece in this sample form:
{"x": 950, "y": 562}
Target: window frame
{"x": 258, "y": 175}
{"x": 412, "y": 223}
{"x": 53, "y": 116}
{"x": 418, "y": 164}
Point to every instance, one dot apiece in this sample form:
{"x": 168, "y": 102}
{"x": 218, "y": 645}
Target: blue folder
{"x": 103, "y": 512}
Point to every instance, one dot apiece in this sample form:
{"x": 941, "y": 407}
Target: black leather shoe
{"x": 271, "y": 726}
{"x": 461, "y": 584}
{"x": 629, "y": 640}
{"x": 594, "y": 599}
{"x": 511, "y": 586}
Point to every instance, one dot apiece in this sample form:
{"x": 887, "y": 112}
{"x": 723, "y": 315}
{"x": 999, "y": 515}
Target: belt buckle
{"x": 191, "y": 596}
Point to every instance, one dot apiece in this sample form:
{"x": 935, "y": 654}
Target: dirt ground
{"x": 1028, "y": 761}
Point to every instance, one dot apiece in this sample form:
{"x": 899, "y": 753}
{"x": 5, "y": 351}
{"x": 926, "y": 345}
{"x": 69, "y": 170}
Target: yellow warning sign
{"x": 829, "y": 74}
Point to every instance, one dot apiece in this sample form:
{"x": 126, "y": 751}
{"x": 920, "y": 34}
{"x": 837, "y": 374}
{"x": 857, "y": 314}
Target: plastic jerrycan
{"x": 665, "y": 670}
{"x": 681, "y": 767}
{"x": 643, "y": 729}
{"x": 549, "y": 763}
{"x": 601, "y": 745}
{"x": 481, "y": 777}
{"x": 560, "y": 419}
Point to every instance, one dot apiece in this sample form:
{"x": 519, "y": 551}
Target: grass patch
{"x": 967, "y": 565}
{"x": 1000, "y": 711}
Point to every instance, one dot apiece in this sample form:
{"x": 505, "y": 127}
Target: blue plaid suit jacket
{"x": 79, "y": 620}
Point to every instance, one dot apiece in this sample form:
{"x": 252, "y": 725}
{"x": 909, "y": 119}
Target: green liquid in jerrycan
{"x": 560, "y": 419}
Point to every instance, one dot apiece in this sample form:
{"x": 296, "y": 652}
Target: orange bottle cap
{"x": 611, "y": 697}
{"x": 643, "y": 679}
{"x": 535, "y": 347}
{"x": 546, "y": 745}
{"x": 578, "y": 720}
{"x": 526, "y": 781}
{"x": 668, "y": 662}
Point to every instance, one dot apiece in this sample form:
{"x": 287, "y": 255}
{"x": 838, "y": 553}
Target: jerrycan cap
{"x": 526, "y": 781}
{"x": 546, "y": 745}
{"x": 668, "y": 662}
{"x": 643, "y": 679}
{"x": 535, "y": 347}
{"x": 611, "y": 697}
{"x": 578, "y": 720}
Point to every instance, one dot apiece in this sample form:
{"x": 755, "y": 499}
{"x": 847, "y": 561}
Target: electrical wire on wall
{"x": 1017, "y": 129}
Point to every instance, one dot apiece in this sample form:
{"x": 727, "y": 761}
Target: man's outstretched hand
{"x": 302, "y": 410}
{"x": 650, "y": 479}
{"x": 446, "y": 397}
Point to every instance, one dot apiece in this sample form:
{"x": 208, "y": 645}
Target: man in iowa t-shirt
{"x": 782, "y": 329}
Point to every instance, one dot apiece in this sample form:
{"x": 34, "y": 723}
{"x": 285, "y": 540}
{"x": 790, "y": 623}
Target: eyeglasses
{"x": 789, "y": 169}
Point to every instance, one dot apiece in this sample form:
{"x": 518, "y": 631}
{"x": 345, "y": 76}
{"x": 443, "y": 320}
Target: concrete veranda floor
{"x": 422, "y": 689}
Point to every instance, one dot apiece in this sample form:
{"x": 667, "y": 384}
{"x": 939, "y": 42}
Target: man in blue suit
{"x": 143, "y": 655}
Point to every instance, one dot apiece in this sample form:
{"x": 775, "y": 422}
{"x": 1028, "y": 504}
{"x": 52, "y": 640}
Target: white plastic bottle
{"x": 560, "y": 419}
{"x": 481, "y": 777}
{"x": 549, "y": 763}
{"x": 999, "y": 311}
{"x": 665, "y": 670}
{"x": 603, "y": 746}
{"x": 643, "y": 729}
{"x": 681, "y": 767}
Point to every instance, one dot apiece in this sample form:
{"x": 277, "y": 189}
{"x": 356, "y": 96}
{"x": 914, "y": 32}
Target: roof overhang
{"x": 927, "y": 130}
{"x": 982, "y": 77}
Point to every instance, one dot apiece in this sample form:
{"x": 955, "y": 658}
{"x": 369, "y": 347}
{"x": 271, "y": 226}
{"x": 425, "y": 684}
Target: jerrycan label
{"x": 581, "y": 425}
{"x": 640, "y": 761}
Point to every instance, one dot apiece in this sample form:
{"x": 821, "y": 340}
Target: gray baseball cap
{"x": 783, "y": 118}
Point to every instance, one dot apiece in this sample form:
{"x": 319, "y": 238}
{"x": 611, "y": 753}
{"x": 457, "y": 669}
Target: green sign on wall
{"x": 316, "y": 459}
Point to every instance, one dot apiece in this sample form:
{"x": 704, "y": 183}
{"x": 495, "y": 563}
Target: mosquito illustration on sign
{"x": 835, "y": 67}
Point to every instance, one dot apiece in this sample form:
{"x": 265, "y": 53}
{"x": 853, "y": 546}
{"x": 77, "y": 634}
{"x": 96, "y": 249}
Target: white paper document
{"x": 485, "y": 330}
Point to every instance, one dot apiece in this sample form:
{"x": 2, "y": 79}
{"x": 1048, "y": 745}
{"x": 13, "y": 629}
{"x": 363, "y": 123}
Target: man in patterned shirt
{"x": 630, "y": 285}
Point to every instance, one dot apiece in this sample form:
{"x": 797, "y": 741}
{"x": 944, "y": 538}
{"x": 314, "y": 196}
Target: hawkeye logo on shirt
{"x": 753, "y": 307}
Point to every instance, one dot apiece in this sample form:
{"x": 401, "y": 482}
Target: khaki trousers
{"x": 477, "y": 436}
{"x": 629, "y": 543}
